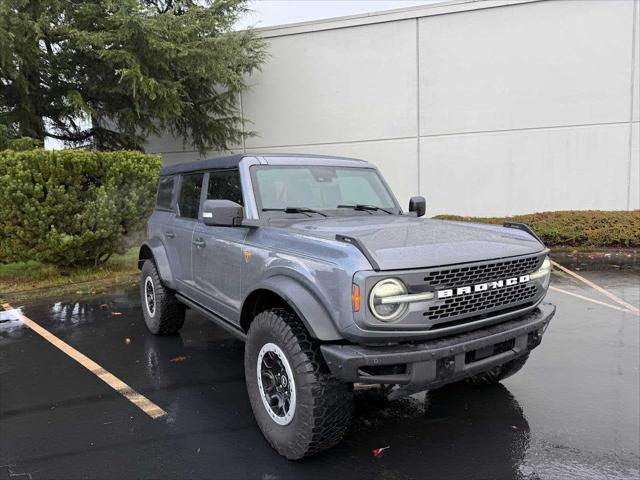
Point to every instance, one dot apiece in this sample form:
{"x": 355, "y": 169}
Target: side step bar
{"x": 215, "y": 318}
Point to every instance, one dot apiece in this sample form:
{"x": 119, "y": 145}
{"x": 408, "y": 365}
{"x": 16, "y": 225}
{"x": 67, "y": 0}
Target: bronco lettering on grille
{"x": 481, "y": 287}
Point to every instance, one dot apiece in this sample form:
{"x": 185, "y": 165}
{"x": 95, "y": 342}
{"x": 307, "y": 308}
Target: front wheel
{"x": 300, "y": 408}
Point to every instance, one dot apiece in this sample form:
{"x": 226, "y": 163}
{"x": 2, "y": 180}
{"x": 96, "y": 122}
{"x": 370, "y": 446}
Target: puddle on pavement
{"x": 9, "y": 323}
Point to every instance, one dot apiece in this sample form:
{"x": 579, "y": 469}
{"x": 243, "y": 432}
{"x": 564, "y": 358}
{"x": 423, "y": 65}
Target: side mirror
{"x": 222, "y": 213}
{"x": 418, "y": 205}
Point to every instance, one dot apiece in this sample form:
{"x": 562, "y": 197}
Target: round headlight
{"x": 387, "y": 312}
{"x": 544, "y": 272}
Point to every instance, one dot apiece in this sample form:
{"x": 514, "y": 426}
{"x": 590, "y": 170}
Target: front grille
{"x": 480, "y": 301}
{"x": 460, "y": 276}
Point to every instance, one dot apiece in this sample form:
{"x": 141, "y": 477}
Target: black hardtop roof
{"x": 231, "y": 161}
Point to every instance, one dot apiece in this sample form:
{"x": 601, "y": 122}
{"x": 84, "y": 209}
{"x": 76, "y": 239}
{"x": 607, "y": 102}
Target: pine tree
{"x": 108, "y": 73}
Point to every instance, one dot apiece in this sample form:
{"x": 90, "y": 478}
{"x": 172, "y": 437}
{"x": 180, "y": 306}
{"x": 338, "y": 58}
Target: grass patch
{"x": 586, "y": 229}
{"x": 18, "y": 278}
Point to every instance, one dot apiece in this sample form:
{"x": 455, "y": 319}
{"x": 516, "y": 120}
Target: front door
{"x": 217, "y": 253}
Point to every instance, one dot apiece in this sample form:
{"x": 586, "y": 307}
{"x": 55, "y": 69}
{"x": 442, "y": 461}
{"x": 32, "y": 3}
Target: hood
{"x": 399, "y": 242}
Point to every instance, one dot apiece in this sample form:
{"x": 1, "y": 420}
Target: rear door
{"x": 161, "y": 219}
{"x": 218, "y": 258}
{"x": 180, "y": 233}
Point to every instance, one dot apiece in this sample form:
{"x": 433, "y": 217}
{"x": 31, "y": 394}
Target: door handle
{"x": 169, "y": 234}
{"x": 199, "y": 243}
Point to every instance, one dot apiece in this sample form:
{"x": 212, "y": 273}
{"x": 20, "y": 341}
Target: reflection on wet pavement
{"x": 8, "y": 324}
{"x": 573, "y": 412}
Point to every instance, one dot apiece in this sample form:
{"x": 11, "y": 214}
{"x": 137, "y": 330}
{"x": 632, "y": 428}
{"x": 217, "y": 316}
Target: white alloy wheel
{"x": 150, "y": 296}
{"x": 276, "y": 384}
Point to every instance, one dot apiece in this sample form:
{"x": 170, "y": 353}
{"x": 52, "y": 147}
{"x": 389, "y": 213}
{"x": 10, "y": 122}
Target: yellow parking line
{"x": 598, "y": 302}
{"x": 140, "y": 401}
{"x": 605, "y": 292}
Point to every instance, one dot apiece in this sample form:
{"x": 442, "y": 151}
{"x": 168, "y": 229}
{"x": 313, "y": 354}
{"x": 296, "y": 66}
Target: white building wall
{"x": 485, "y": 108}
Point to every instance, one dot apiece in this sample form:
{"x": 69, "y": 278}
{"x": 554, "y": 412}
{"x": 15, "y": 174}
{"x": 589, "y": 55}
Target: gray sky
{"x": 267, "y": 13}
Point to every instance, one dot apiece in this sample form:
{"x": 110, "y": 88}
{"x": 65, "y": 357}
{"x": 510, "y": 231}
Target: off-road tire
{"x": 324, "y": 405}
{"x": 496, "y": 374}
{"x": 169, "y": 312}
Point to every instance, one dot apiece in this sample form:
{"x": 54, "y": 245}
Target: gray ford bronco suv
{"x": 312, "y": 262}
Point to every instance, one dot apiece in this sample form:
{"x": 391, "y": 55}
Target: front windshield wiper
{"x": 366, "y": 208}
{"x": 294, "y": 210}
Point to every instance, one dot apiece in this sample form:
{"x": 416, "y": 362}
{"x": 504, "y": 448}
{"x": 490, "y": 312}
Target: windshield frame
{"x": 337, "y": 212}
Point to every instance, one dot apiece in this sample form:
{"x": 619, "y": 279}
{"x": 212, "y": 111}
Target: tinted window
{"x": 165, "y": 192}
{"x": 225, "y": 185}
{"x": 189, "y": 201}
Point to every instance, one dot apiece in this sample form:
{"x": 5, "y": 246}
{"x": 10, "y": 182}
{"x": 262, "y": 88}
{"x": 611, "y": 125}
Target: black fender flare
{"x": 159, "y": 255}
{"x": 309, "y": 309}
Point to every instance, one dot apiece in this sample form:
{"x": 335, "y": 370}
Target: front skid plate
{"x": 434, "y": 363}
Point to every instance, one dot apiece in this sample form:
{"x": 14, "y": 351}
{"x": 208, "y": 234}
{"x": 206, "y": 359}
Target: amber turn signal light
{"x": 355, "y": 297}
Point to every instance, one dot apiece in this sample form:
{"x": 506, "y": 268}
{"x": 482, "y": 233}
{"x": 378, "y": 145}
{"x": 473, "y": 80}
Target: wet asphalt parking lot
{"x": 572, "y": 412}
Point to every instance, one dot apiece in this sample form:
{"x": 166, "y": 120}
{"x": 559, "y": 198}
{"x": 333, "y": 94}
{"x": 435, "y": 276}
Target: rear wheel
{"x": 300, "y": 408}
{"x": 163, "y": 313}
{"x": 496, "y": 374}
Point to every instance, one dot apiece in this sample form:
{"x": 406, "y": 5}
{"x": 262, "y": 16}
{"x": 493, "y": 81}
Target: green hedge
{"x": 588, "y": 228}
{"x": 72, "y": 207}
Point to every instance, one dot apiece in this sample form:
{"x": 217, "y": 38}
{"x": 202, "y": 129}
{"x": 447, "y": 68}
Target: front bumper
{"x": 431, "y": 364}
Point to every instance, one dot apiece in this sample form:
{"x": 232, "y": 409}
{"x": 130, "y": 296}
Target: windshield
{"x": 321, "y": 188}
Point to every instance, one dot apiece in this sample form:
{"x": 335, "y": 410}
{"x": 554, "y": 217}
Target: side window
{"x": 189, "y": 200}
{"x": 165, "y": 192}
{"x": 225, "y": 185}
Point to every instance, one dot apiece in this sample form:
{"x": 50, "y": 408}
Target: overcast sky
{"x": 278, "y": 12}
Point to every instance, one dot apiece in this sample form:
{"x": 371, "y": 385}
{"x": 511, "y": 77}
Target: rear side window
{"x": 224, "y": 185}
{"x": 189, "y": 199}
{"x": 165, "y": 192}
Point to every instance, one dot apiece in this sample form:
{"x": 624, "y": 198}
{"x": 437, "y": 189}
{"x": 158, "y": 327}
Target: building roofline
{"x": 419, "y": 11}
